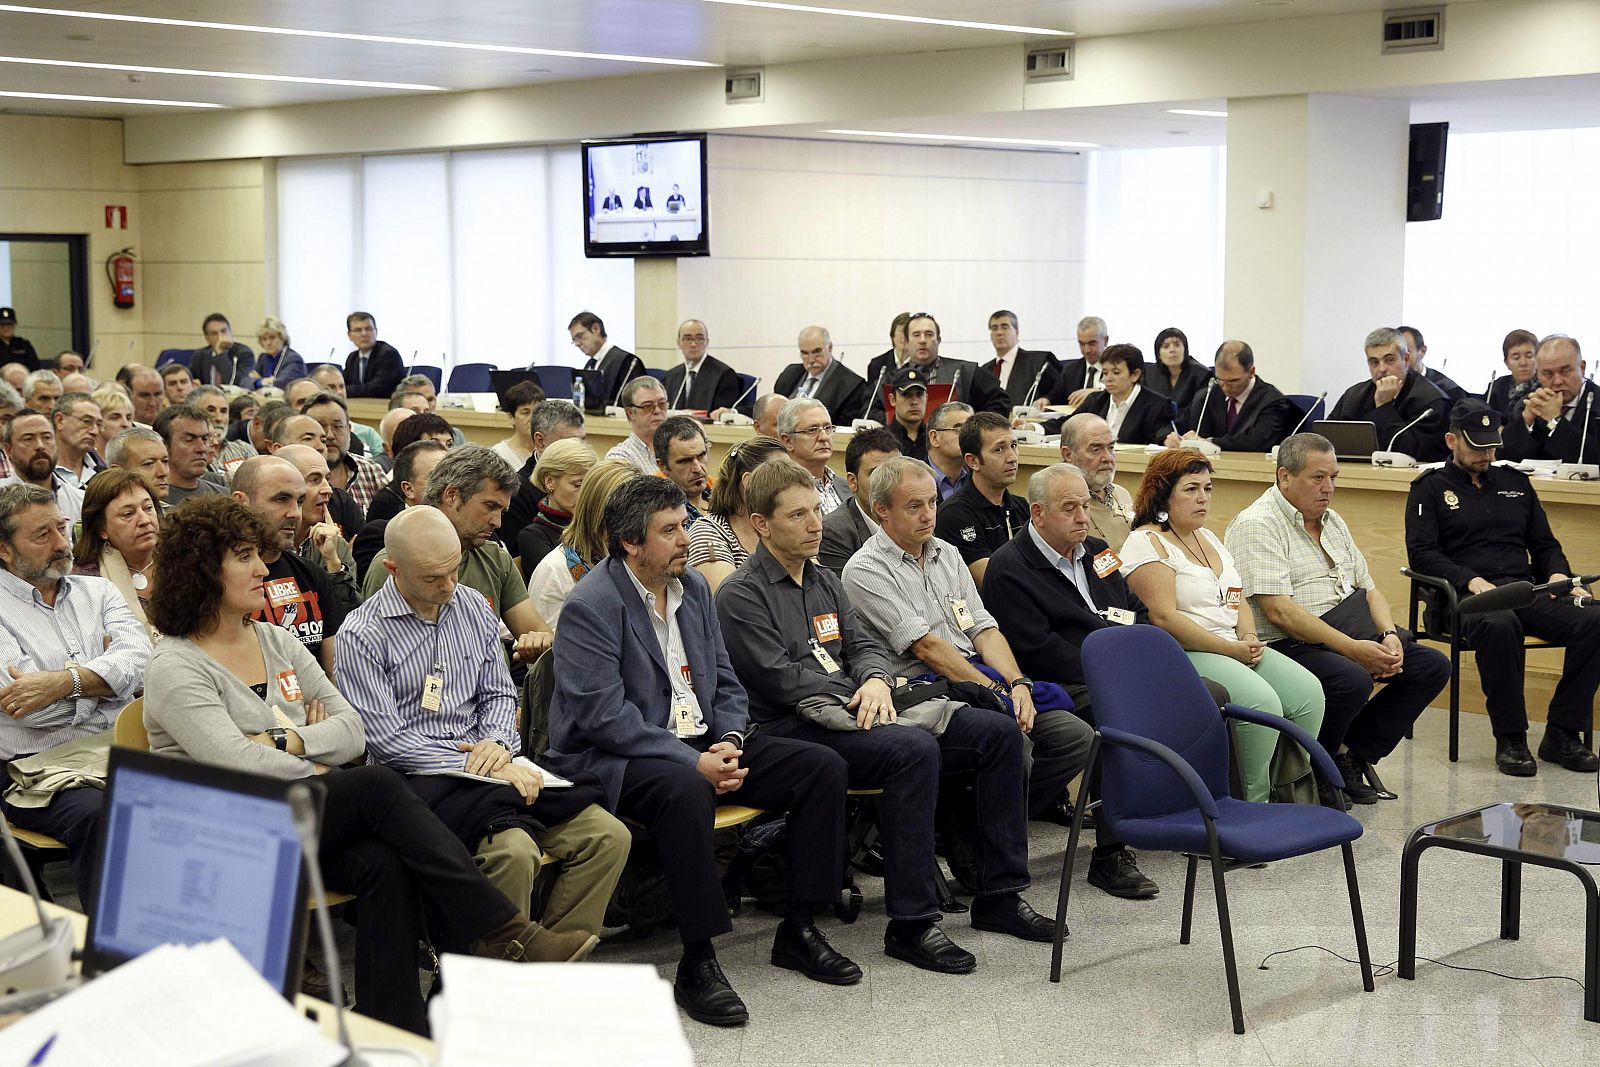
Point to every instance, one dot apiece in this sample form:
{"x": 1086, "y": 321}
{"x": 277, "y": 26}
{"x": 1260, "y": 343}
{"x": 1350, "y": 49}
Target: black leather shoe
{"x": 702, "y": 991}
{"x": 1060, "y": 812}
{"x": 1355, "y": 784}
{"x": 1563, "y": 747}
{"x": 1119, "y": 875}
{"x": 932, "y": 950}
{"x": 1331, "y": 797}
{"x": 804, "y": 949}
{"x": 1513, "y": 758}
{"x": 1021, "y": 922}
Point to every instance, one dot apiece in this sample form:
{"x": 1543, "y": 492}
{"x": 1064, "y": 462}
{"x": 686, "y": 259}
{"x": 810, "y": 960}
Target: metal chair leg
{"x": 1356, "y": 917}
{"x": 1188, "y": 900}
{"x": 1218, "y": 880}
{"x": 1510, "y": 900}
{"x": 1455, "y": 691}
{"x": 1065, "y": 892}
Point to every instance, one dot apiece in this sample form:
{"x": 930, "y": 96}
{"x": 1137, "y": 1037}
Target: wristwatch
{"x": 1022, "y": 680}
{"x": 1389, "y": 633}
{"x": 280, "y": 738}
{"x": 77, "y": 681}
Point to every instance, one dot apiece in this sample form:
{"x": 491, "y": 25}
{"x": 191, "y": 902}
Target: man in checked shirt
{"x": 71, "y": 655}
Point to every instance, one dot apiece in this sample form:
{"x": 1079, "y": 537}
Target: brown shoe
{"x": 525, "y": 941}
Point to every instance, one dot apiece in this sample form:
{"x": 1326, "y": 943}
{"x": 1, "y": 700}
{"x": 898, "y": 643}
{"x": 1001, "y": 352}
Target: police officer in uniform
{"x": 14, "y": 349}
{"x": 1480, "y": 526}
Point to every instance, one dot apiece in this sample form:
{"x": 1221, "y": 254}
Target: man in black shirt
{"x": 982, "y": 515}
{"x": 299, "y": 596}
{"x": 909, "y": 424}
{"x": 14, "y": 349}
{"x": 1393, "y": 398}
{"x": 1480, "y": 526}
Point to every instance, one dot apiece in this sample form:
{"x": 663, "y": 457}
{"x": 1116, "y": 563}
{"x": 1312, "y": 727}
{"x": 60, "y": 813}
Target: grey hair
{"x": 111, "y": 396}
{"x": 9, "y": 397}
{"x": 888, "y": 476}
{"x": 325, "y": 368}
{"x": 68, "y": 401}
{"x": 1074, "y": 426}
{"x": 936, "y": 419}
{"x": 117, "y": 447}
{"x": 465, "y": 469}
{"x": 206, "y": 390}
{"x": 36, "y": 379}
{"x": 789, "y": 414}
{"x": 1236, "y": 354}
{"x": 630, "y": 392}
{"x": 552, "y": 413}
{"x": 1383, "y": 337}
{"x": 628, "y": 510}
{"x": 414, "y": 379}
{"x": 1296, "y": 452}
{"x": 1557, "y": 338}
{"x": 827, "y": 338}
{"x": 14, "y": 500}
{"x": 1092, "y": 322}
{"x": 1040, "y": 481}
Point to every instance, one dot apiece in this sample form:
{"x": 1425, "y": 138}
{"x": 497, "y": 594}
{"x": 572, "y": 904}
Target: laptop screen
{"x": 190, "y": 853}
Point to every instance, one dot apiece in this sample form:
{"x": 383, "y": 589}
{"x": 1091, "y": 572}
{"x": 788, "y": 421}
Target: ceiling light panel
{"x": 884, "y": 16}
{"x": 1197, "y": 113}
{"x": 231, "y": 74}
{"x": 77, "y": 98}
{"x": 959, "y": 138}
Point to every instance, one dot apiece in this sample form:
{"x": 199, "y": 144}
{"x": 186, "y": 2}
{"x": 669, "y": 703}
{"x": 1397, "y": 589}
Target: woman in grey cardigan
{"x": 228, "y": 691}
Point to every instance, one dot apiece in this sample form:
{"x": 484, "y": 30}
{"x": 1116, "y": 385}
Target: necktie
{"x": 688, "y": 387}
{"x": 809, "y": 388}
{"x": 1000, "y": 368}
{"x": 1090, "y": 372}
{"x": 1233, "y": 413}
{"x": 361, "y": 370}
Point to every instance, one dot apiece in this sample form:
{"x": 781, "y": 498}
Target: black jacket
{"x": 715, "y": 386}
{"x": 238, "y": 367}
{"x": 1265, "y": 419}
{"x": 842, "y": 391}
{"x": 19, "y": 350}
{"x": 884, "y": 365}
{"x": 973, "y": 385}
{"x": 617, "y": 369}
{"x": 1458, "y": 531}
{"x": 1069, "y": 380}
{"x": 1192, "y": 379}
{"x": 385, "y": 368}
{"x": 1021, "y": 370}
{"x": 1148, "y": 422}
{"x": 1042, "y": 614}
{"x": 1505, "y": 391}
{"x": 1563, "y": 443}
{"x": 1425, "y": 441}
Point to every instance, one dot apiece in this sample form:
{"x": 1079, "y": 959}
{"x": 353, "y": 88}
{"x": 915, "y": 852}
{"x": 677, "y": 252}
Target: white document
{"x": 174, "y": 1006}
{"x": 552, "y": 780}
{"x": 570, "y": 1007}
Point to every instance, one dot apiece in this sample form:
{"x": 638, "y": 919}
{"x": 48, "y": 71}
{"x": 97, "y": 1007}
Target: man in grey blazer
{"x": 806, "y": 430}
{"x": 646, "y": 699}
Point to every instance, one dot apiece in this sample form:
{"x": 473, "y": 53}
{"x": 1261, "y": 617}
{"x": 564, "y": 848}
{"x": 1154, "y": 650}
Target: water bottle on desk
{"x": 578, "y": 392}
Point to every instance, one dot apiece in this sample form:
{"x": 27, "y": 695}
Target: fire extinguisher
{"x": 119, "y": 269}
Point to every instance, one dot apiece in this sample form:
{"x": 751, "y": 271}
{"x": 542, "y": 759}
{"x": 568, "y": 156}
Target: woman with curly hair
{"x": 225, "y": 690}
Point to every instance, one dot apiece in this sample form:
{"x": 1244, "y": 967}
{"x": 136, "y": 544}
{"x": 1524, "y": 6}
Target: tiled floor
{"x": 1132, "y": 995}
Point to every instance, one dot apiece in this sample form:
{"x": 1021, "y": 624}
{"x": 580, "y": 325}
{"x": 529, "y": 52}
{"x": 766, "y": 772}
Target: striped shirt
{"x": 900, "y": 601}
{"x": 90, "y": 625}
{"x": 386, "y": 653}
{"x": 365, "y": 479}
{"x": 1277, "y": 557}
{"x": 634, "y": 451}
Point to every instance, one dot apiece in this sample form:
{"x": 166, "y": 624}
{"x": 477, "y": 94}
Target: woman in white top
{"x": 583, "y": 542}
{"x": 1187, "y": 579}
{"x": 520, "y": 402}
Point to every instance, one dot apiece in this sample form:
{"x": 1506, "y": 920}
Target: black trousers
{"x": 1370, "y": 728}
{"x": 381, "y": 842}
{"x": 1496, "y": 639}
{"x": 676, "y": 804}
{"x": 906, "y": 763}
{"x": 73, "y": 818}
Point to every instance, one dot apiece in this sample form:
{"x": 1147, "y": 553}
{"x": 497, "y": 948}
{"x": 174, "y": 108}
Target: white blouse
{"x": 1212, "y": 600}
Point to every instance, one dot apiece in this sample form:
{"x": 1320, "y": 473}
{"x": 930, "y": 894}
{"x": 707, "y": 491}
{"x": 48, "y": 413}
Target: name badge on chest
{"x": 825, "y": 660}
{"x": 962, "y": 613}
{"x": 1119, "y": 616}
{"x": 683, "y": 723}
{"x": 433, "y": 689}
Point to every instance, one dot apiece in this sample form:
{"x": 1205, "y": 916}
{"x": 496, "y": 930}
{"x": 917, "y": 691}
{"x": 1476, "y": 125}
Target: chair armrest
{"x": 1319, "y": 755}
{"x": 1440, "y": 585}
{"x": 1202, "y": 796}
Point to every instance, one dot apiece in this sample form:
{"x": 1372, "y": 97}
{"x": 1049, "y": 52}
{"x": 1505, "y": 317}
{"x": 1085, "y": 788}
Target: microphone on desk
{"x": 304, "y": 810}
{"x": 1488, "y": 389}
{"x": 1033, "y": 390}
{"x": 862, "y": 422}
{"x": 733, "y": 417}
{"x": 1516, "y": 595}
{"x": 1312, "y": 410}
{"x": 1390, "y": 458}
{"x": 1581, "y": 471}
{"x": 35, "y": 962}
{"x": 1200, "y": 444}
{"x": 682, "y": 384}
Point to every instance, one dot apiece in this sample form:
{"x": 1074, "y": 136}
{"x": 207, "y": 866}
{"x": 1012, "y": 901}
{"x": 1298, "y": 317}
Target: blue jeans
{"x": 906, "y": 763}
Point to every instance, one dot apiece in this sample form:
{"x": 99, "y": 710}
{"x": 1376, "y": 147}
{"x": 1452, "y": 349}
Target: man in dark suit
{"x": 970, "y": 383}
{"x": 1048, "y": 588}
{"x": 223, "y": 361}
{"x": 881, "y": 367}
{"x": 1243, "y": 413}
{"x": 818, "y": 376}
{"x": 1549, "y": 422}
{"x": 375, "y": 367}
{"x": 1027, "y": 375}
{"x": 612, "y": 202}
{"x": 616, "y": 365}
{"x": 1137, "y": 416}
{"x": 1393, "y": 398}
{"x": 1416, "y": 352}
{"x": 847, "y": 528}
{"x": 711, "y": 386}
{"x": 1079, "y": 377}
{"x": 646, "y": 699}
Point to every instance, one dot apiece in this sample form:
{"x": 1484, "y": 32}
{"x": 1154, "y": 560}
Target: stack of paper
{"x": 494, "y": 1012}
{"x": 174, "y": 1006}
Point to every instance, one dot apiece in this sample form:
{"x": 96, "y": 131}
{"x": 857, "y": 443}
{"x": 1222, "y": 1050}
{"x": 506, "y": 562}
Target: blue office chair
{"x": 747, "y": 396}
{"x": 1306, "y": 403}
{"x": 430, "y": 372}
{"x": 471, "y": 378}
{"x": 658, "y": 375}
{"x": 174, "y": 355}
{"x": 1154, "y": 798}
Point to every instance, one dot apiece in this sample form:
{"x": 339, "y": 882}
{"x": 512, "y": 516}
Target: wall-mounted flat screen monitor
{"x": 646, "y": 196}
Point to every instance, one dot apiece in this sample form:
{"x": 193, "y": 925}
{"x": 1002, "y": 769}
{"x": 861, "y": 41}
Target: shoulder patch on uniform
{"x": 969, "y": 533}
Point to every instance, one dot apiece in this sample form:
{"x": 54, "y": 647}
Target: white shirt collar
{"x": 1133, "y": 394}
{"x": 1050, "y": 554}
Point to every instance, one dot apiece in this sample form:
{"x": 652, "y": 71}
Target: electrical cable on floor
{"x": 1386, "y": 969}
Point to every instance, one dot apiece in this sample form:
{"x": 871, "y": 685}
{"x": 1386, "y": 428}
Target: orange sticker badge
{"x": 826, "y": 627}
{"x": 1106, "y": 563}
{"x": 289, "y": 685}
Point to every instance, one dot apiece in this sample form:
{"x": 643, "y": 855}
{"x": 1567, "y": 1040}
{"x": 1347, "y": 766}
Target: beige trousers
{"x": 589, "y": 849}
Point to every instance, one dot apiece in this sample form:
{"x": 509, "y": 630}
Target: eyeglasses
{"x": 88, "y": 422}
{"x": 694, "y": 338}
{"x": 813, "y": 431}
{"x": 659, "y": 405}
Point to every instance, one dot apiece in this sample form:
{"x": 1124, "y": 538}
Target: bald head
{"x": 1078, "y": 428}
{"x": 298, "y": 430}
{"x": 421, "y": 538}
{"x": 304, "y": 457}
{"x": 390, "y": 421}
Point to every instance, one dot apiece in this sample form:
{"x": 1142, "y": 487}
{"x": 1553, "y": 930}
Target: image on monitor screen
{"x": 645, "y": 197}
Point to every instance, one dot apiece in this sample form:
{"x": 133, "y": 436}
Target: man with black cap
{"x": 14, "y": 349}
{"x": 909, "y": 425}
{"x": 1479, "y": 526}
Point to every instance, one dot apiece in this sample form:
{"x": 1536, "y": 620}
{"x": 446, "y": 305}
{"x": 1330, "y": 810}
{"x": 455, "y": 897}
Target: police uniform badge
{"x": 1451, "y": 499}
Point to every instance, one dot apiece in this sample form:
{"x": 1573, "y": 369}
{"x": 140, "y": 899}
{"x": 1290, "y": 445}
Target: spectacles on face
{"x": 88, "y": 422}
{"x": 659, "y": 405}
{"x": 813, "y": 431}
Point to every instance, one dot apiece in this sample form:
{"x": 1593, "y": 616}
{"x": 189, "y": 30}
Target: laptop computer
{"x": 1350, "y": 440}
{"x": 190, "y": 853}
{"x": 556, "y": 381}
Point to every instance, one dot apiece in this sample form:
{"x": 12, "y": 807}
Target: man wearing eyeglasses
{"x": 806, "y": 430}
{"x": 77, "y": 425}
{"x": 1244, "y": 413}
{"x": 702, "y": 382}
{"x": 644, "y": 403}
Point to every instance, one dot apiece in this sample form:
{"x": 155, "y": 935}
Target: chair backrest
{"x": 174, "y": 355}
{"x": 1141, "y": 682}
{"x": 433, "y": 374}
{"x": 658, "y": 375}
{"x": 129, "y": 731}
{"x": 747, "y": 395}
{"x": 1305, "y": 403}
{"x": 470, "y": 378}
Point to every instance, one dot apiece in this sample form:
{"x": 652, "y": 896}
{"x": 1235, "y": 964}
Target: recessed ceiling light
{"x": 883, "y": 16}
{"x": 1197, "y": 113}
{"x": 106, "y": 99}
{"x": 1031, "y": 142}
{"x": 369, "y": 38}
{"x": 239, "y": 75}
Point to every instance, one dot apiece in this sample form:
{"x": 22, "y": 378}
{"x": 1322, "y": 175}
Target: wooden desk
{"x": 16, "y": 911}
